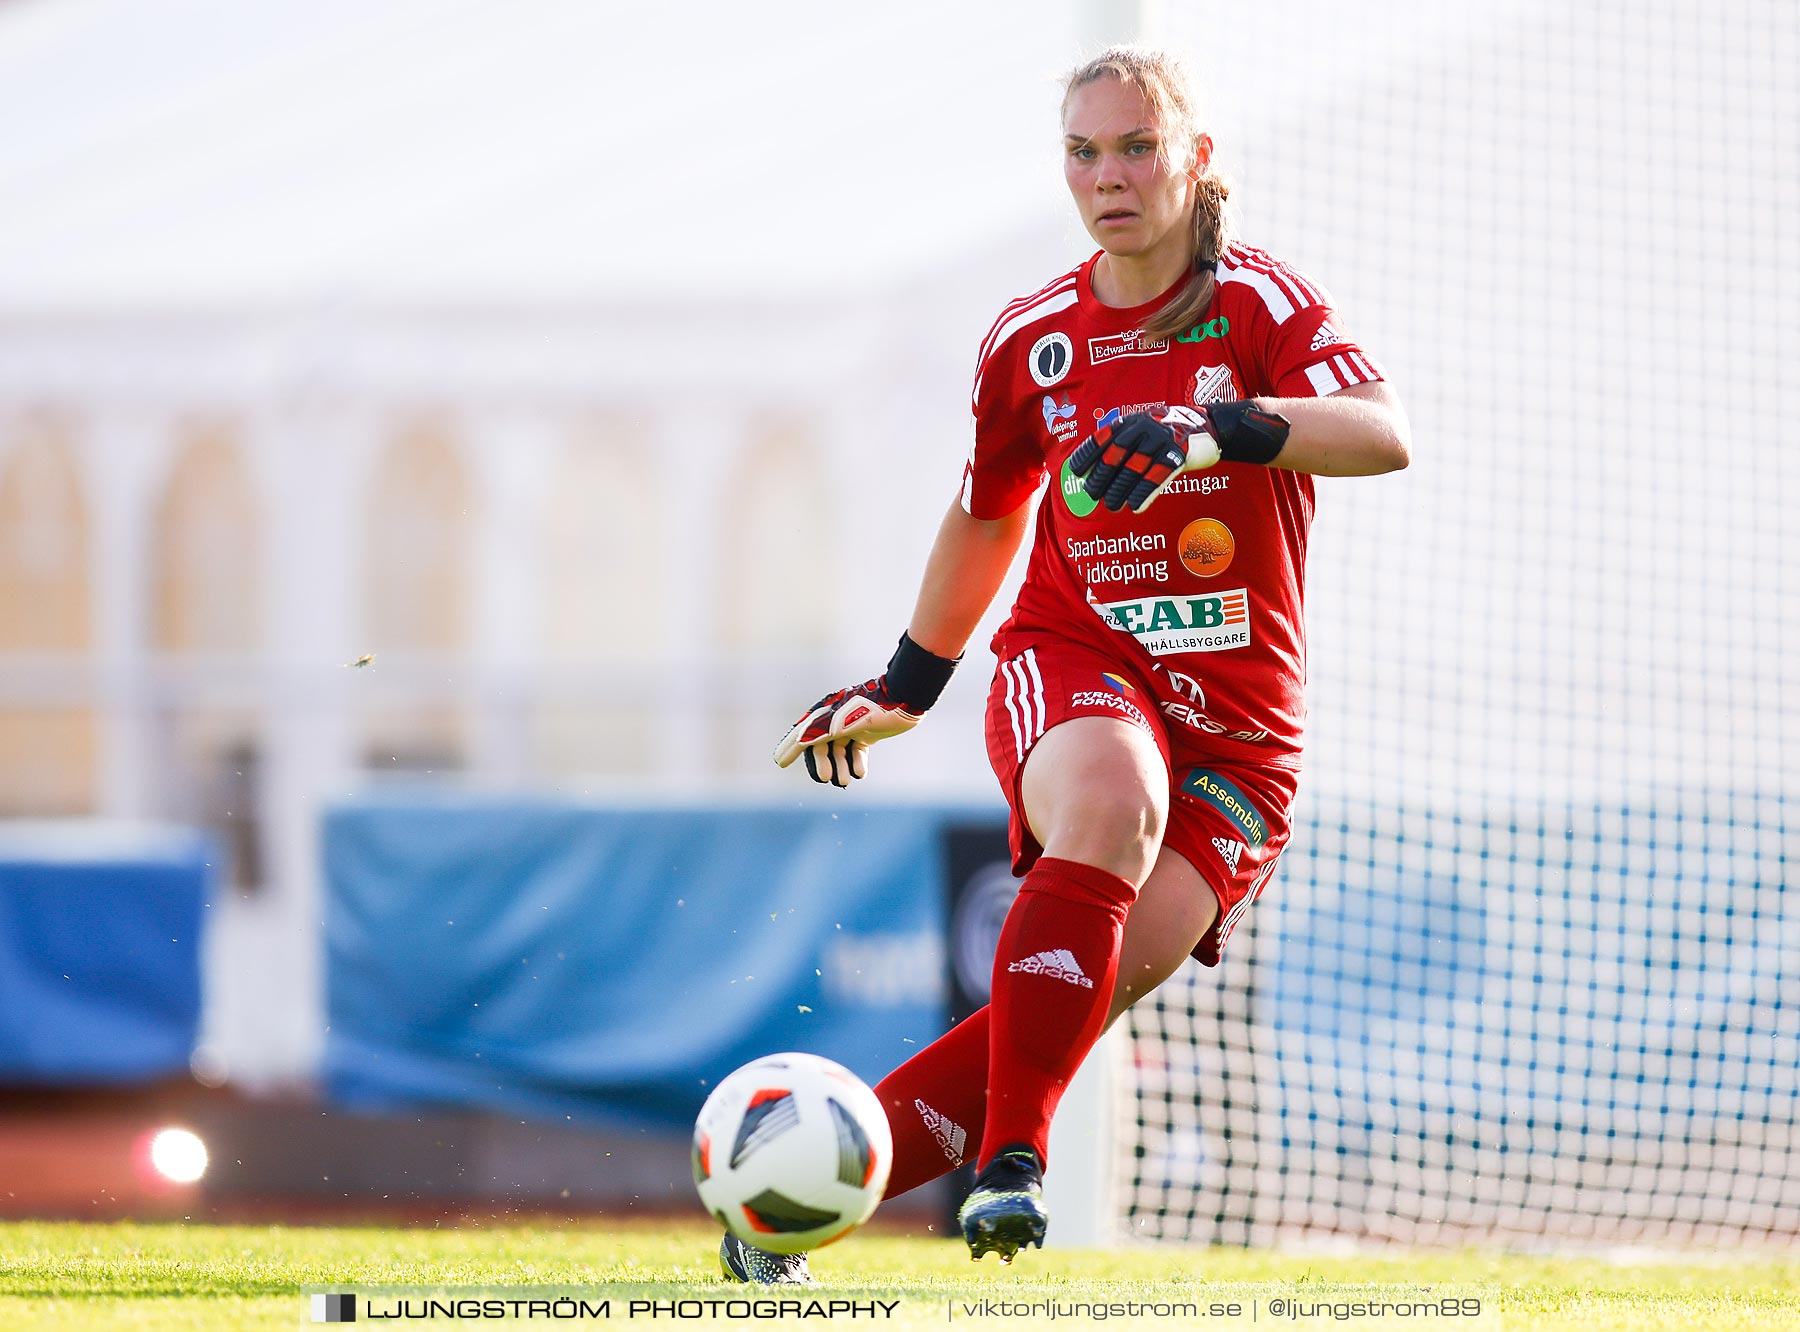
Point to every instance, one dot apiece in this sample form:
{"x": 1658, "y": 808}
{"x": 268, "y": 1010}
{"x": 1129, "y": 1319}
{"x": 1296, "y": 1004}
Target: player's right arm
{"x": 968, "y": 562}
{"x": 975, "y": 546}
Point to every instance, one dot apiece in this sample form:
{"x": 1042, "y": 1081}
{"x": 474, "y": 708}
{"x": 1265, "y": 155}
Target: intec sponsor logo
{"x": 1125, "y": 409}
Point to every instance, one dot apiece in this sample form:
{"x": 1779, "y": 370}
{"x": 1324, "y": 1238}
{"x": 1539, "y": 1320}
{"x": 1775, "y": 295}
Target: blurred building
{"x": 425, "y": 493}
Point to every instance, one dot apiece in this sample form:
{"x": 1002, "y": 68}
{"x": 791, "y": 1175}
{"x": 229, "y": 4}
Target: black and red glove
{"x": 836, "y": 732}
{"x": 1128, "y": 461}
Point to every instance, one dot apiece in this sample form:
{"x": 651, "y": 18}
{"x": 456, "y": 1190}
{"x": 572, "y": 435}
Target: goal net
{"x": 1530, "y": 971}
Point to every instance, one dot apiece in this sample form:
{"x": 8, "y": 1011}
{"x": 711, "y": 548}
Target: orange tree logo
{"x": 1207, "y": 547}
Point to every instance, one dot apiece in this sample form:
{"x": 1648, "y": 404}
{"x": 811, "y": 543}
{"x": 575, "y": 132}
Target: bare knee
{"x": 1096, "y": 791}
{"x": 1114, "y": 829}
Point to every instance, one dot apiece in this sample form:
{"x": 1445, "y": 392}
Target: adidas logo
{"x": 1059, "y": 963}
{"x": 1326, "y": 336}
{"x": 949, "y": 1134}
{"x": 1229, "y": 851}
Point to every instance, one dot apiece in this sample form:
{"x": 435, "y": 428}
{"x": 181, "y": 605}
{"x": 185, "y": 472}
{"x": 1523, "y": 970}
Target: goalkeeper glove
{"x": 1129, "y": 461}
{"x": 836, "y": 732}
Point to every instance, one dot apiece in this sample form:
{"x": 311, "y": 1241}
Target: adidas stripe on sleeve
{"x": 1307, "y": 354}
{"x": 1006, "y": 458}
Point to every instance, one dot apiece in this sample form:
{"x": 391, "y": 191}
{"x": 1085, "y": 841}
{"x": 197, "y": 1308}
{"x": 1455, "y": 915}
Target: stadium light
{"x": 178, "y": 1155}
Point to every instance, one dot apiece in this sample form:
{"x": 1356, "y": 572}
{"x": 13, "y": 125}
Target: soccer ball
{"x": 791, "y": 1152}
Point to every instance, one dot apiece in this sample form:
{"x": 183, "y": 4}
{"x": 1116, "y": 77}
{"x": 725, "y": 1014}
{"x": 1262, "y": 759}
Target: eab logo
{"x": 1167, "y": 625}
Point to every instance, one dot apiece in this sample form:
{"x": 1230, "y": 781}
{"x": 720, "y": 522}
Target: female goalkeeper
{"x": 1180, "y": 390}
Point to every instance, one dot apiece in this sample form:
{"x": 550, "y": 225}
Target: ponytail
{"x": 1212, "y": 233}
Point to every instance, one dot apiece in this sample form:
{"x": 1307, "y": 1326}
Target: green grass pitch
{"x": 229, "y": 1277}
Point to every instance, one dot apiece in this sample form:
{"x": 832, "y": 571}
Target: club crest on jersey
{"x": 1059, "y": 418}
{"x": 1213, "y": 383}
{"x": 1134, "y": 343}
{"x": 1051, "y": 357}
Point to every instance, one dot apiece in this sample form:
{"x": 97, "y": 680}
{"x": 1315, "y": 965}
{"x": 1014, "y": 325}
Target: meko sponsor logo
{"x": 1225, "y": 796}
{"x": 1189, "y": 715}
{"x": 1134, "y": 343}
{"x": 1168, "y": 625}
{"x": 1190, "y": 708}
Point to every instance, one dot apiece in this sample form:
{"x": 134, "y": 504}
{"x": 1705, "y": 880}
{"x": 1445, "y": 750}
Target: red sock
{"x": 936, "y": 1102}
{"x": 1053, "y": 981}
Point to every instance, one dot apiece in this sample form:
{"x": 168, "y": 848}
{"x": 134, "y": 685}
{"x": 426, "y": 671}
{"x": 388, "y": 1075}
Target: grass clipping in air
{"x": 68, "y": 1275}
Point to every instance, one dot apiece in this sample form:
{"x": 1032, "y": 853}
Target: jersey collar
{"x": 1117, "y": 316}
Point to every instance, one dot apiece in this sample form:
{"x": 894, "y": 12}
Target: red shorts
{"x": 1228, "y": 818}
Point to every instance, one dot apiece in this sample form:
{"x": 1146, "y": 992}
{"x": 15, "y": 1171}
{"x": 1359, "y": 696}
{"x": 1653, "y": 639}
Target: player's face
{"x": 1133, "y": 200}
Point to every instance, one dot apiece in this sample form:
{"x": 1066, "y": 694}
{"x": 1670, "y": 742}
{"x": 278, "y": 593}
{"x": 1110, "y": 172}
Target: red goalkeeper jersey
{"x": 1202, "y": 594}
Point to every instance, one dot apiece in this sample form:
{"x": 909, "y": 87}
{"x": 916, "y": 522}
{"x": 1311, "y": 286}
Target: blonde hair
{"x": 1168, "y": 89}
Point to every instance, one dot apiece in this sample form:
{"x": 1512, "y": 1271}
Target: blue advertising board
{"x": 608, "y": 965}
{"x": 99, "y": 950}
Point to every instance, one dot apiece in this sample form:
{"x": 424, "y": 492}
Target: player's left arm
{"x": 1357, "y": 431}
{"x": 1360, "y": 430}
